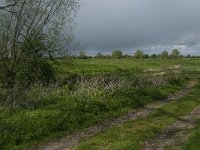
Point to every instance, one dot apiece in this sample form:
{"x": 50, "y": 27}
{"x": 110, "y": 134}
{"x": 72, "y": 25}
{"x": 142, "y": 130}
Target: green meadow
{"x": 91, "y": 91}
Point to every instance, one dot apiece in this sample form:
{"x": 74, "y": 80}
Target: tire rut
{"x": 175, "y": 134}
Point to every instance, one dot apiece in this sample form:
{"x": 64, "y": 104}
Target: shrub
{"x": 32, "y": 66}
{"x": 164, "y": 54}
{"x": 117, "y": 54}
{"x": 138, "y": 54}
{"x": 34, "y": 70}
{"x": 175, "y": 53}
{"x": 83, "y": 55}
{"x": 99, "y": 55}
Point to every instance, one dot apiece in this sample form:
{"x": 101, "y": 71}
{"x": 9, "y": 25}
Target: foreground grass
{"x": 194, "y": 141}
{"x": 132, "y": 135}
{"x": 59, "y": 114}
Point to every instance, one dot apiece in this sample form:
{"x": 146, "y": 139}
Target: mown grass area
{"x": 42, "y": 113}
{"x": 132, "y": 135}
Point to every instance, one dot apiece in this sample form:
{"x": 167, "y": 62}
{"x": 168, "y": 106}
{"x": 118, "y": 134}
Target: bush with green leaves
{"x": 164, "y": 54}
{"x": 138, "y": 53}
{"x": 175, "y": 53}
{"x": 82, "y": 55}
{"x": 33, "y": 66}
{"x": 117, "y": 54}
{"x": 31, "y": 31}
{"x": 33, "y": 70}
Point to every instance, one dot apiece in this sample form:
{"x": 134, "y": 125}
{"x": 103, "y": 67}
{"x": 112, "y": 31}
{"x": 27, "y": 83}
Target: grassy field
{"x": 132, "y": 135}
{"x": 92, "y": 66}
{"x": 194, "y": 141}
{"x": 89, "y": 92}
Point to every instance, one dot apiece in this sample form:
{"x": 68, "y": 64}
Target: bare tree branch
{"x": 7, "y": 6}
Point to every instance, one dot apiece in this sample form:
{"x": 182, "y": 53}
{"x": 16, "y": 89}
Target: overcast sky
{"x": 151, "y": 25}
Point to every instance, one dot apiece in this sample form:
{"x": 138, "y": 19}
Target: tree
{"x": 82, "y": 55}
{"x": 127, "y": 56}
{"x": 188, "y": 56}
{"x": 5, "y": 6}
{"x": 117, "y": 54}
{"x": 164, "y": 54}
{"x": 153, "y": 56}
{"x": 146, "y": 56}
{"x": 31, "y": 31}
{"x": 99, "y": 55}
{"x": 175, "y": 53}
{"x": 138, "y": 54}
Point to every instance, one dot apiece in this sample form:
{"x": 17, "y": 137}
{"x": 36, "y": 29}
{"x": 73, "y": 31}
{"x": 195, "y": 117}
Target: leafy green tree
{"x": 82, "y": 55}
{"x": 32, "y": 31}
{"x": 99, "y": 55}
{"x": 159, "y": 56}
{"x": 175, "y": 53}
{"x": 117, "y": 54}
{"x": 188, "y": 56}
{"x": 164, "y": 54}
{"x": 153, "y": 56}
{"x": 138, "y": 54}
{"x": 127, "y": 56}
{"x": 146, "y": 56}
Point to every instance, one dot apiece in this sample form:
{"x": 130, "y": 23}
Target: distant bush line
{"x": 139, "y": 54}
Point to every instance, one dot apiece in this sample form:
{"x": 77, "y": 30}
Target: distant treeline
{"x": 139, "y": 54}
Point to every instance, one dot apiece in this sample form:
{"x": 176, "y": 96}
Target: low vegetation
{"x": 194, "y": 141}
{"x": 132, "y": 135}
{"x": 78, "y": 100}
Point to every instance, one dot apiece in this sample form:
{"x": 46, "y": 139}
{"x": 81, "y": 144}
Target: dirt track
{"x": 175, "y": 134}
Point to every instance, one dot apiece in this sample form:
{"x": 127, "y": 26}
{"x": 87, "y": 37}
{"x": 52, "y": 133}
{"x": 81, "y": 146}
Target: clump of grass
{"x": 162, "y": 77}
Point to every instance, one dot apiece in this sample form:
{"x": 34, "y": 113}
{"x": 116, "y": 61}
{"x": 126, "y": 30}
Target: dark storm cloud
{"x": 154, "y": 25}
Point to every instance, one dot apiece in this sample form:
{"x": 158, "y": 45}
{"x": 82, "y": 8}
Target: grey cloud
{"x": 104, "y": 25}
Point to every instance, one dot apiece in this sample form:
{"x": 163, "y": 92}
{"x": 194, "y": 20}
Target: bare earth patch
{"x": 174, "y": 135}
{"x": 71, "y": 141}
